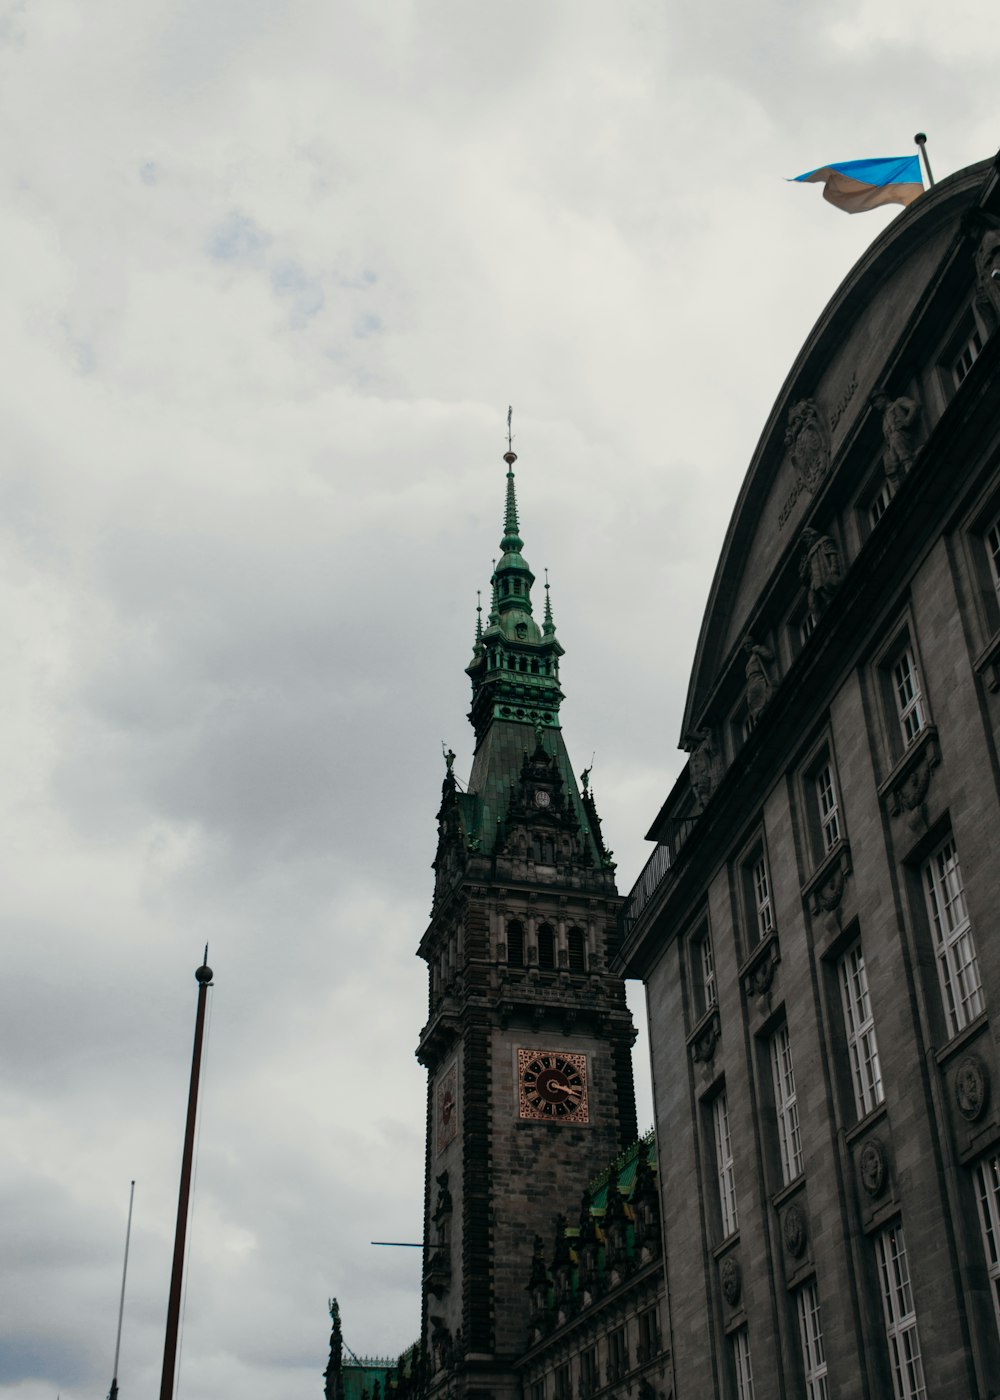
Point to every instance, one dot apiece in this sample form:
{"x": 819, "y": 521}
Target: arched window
{"x": 577, "y": 955}
{"x": 515, "y": 944}
{"x": 546, "y": 947}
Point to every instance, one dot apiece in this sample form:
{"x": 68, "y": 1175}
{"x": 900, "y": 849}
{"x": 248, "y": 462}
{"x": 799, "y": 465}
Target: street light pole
{"x": 203, "y": 977}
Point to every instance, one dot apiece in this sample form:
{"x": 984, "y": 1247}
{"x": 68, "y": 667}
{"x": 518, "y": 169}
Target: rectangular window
{"x": 760, "y": 889}
{"x": 786, "y": 1106}
{"x": 649, "y": 1335}
{"x": 866, "y": 1072}
{"x": 879, "y": 504}
{"x": 956, "y": 951}
{"x": 993, "y": 552}
{"x": 829, "y": 807}
{"x": 617, "y": 1355}
{"x": 988, "y": 1195}
{"x": 907, "y": 695}
{"x": 588, "y": 1371}
{"x": 563, "y": 1387}
{"x": 740, "y": 1345}
{"x": 724, "y": 1165}
{"x": 967, "y": 356}
{"x": 811, "y": 1337}
{"x": 537, "y": 1390}
{"x": 900, "y": 1318}
{"x": 703, "y": 972}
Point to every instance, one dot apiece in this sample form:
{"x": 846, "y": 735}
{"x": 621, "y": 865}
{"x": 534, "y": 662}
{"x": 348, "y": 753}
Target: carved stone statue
{"x": 988, "y": 273}
{"x": 702, "y": 766}
{"x": 819, "y": 569}
{"x": 899, "y": 429}
{"x": 758, "y": 674}
{"x": 808, "y": 442}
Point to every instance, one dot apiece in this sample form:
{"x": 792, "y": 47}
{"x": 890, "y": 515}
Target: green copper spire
{"x": 511, "y": 542}
{"x": 515, "y": 663}
{"x": 548, "y": 627}
{"x": 479, "y": 616}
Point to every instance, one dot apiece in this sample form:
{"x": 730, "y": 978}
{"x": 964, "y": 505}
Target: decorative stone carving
{"x": 831, "y": 891}
{"x": 793, "y": 1231}
{"x": 988, "y": 273}
{"x": 808, "y": 442}
{"x": 908, "y": 785}
{"x": 972, "y": 1088}
{"x": 758, "y": 976}
{"x": 729, "y": 1274}
{"x": 703, "y": 766}
{"x": 820, "y": 569}
{"x": 759, "y": 683}
{"x": 874, "y": 1167}
{"x": 704, "y": 1043}
{"x": 900, "y": 421}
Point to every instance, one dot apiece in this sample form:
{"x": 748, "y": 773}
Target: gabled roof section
{"x": 852, "y": 352}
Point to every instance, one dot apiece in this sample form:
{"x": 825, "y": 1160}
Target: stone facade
{"x": 815, "y": 926}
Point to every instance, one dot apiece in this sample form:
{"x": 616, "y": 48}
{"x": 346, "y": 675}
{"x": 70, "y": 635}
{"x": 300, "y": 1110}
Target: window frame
{"x": 899, "y": 1314}
{"x": 649, "y": 1333}
{"x": 739, "y": 1344}
{"x": 905, "y": 704}
{"x": 759, "y": 892}
{"x": 618, "y": 1365}
{"x": 859, "y": 1028}
{"x": 725, "y": 1174}
{"x": 988, "y": 1203}
{"x": 786, "y": 1107}
{"x": 701, "y": 964}
{"x": 828, "y": 815}
{"x": 811, "y": 1341}
{"x": 962, "y": 998}
{"x": 907, "y": 692}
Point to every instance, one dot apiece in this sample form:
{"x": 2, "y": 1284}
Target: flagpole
{"x": 921, "y": 141}
{"x": 203, "y": 976}
{"x": 113, "y": 1392}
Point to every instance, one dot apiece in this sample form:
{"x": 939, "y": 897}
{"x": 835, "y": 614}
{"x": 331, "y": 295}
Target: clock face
{"x": 447, "y": 1108}
{"x": 552, "y": 1086}
{"x": 542, "y": 798}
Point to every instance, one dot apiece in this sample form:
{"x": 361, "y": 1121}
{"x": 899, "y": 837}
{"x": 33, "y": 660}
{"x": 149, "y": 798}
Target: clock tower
{"x": 528, "y": 1039}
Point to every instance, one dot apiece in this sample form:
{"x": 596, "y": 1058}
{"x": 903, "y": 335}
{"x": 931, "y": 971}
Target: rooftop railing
{"x": 646, "y": 885}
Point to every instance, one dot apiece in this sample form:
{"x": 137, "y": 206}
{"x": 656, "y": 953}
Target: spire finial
{"x": 510, "y": 456}
{"x": 479, "y": 616}
{"x": 548, "y": 626}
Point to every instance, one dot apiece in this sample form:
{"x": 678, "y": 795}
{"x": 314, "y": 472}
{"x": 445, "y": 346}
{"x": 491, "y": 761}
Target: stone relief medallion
{"x": 729, "y": 1273}
{"x": 793, "y": 1231}
{"x": 874, "y": 1167}
{"x": 808, "y": 442}
{"x": 831, "y": 892}
{"x": 972, "y": 1087}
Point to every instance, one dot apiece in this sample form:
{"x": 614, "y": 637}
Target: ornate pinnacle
{"x": 548, "y": 626}
{"x": 511, "y": 542}
{"x": 495, "y": 597}
{"x": 479, "y": 617}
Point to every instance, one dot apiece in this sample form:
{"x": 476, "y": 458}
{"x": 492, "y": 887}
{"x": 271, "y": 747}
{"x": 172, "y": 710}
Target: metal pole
{"x": 113, "y": 1392}
{"x": 921, "y": 141}
{"x": 203, "y": 977}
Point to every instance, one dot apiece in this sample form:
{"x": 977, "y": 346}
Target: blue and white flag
{"x": 854, "y": 185}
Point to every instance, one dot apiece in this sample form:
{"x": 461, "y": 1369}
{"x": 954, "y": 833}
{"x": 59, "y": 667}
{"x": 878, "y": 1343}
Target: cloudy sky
{"x": 272, "y": 274}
